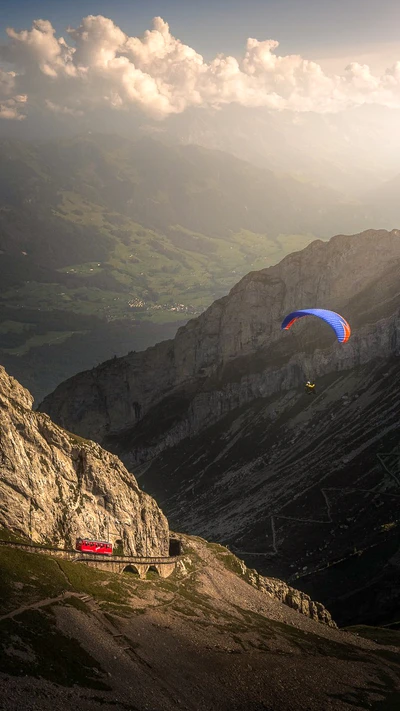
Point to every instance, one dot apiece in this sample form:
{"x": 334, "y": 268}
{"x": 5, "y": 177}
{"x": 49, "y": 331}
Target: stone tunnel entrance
{"x": 118, "y": 547}
{"x": 175, "y": 547}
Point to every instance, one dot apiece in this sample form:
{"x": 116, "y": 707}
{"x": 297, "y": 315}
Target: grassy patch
{"x": 7, "y": 535}
{"x": 75, "y": 439}
{"x": 28, "y": 577}
{"x": 118, "y": 610}
{"x": 229, "y": 560}
{"x": 104, "y": 587}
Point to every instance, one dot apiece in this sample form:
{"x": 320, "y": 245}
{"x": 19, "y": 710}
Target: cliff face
{"x": 55, "y": 486}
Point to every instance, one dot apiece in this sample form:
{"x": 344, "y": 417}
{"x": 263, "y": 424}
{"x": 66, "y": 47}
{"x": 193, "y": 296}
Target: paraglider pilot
{"x": 336, "y": 321}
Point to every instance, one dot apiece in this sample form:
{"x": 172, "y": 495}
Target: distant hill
{"x": 154, "y": 184}
{"x": 351, "y": 151}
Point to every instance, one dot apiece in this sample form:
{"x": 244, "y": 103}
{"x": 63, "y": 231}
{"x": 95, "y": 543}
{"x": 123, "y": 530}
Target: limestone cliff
{"x": 55, "y": 486}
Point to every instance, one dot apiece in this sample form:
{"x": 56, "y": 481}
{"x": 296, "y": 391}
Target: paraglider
{"x": 336, "y": 321}
{"x": 339, "y": 325}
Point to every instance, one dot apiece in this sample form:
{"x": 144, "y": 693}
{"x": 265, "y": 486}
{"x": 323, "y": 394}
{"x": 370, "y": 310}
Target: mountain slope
{"x": 153, "y": 184}
{"x": 214, "y": 634}
{"x": 384, "y": 200}
{"x": 297, "y": 489}
{"x": 217, "y": 426}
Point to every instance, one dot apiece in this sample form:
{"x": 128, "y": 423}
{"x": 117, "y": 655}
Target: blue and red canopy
{"x": 336, "y": 321}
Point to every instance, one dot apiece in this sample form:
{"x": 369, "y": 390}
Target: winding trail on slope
{"x": 39, "y": 604}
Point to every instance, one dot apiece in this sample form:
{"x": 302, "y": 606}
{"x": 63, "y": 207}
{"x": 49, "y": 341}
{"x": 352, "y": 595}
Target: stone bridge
{"x": 163, "y": 565}
{"x": 118, "y": 564}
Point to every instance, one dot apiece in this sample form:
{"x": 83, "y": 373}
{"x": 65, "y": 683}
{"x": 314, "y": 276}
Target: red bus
{"x": 98, "y": 547}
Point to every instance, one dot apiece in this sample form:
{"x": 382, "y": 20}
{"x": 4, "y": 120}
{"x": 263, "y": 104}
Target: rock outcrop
{"x": 295, "y": 599}
{"x": 55, "y": 486}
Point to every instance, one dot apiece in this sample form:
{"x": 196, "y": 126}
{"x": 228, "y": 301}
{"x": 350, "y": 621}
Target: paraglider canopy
{"x": 336, "y": 321}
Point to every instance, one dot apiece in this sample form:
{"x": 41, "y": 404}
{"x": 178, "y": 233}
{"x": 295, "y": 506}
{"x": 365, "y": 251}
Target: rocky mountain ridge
{"x": 236, "y": 351}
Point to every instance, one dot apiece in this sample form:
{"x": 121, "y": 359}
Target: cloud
{"x": 66, "y": 110}
{"x": 8, "y": 110}
{"x": 10, "y": 105}
{"x": 100, "y": 66}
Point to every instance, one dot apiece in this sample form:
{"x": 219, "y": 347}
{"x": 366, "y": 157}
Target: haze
{"x": 295, "y": 95}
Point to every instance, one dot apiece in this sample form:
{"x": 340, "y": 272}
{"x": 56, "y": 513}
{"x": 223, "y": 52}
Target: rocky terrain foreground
{"x": 205, "y": 639}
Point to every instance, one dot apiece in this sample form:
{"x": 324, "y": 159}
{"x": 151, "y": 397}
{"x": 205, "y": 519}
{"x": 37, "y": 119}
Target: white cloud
{"x": 66, "y": 110}
{"x": 100, "y": 66}
{"x": 10, "y": 111}
{"x": 10, "y": 105}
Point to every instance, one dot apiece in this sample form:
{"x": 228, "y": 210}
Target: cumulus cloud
{"x": 100, "y": 66}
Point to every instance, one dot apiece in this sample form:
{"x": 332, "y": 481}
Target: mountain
{"x": 156, "y": 184}
{"x": 56, "y": 487}
{"x": 218, "y": 428}
{"x": 352, "y": 151}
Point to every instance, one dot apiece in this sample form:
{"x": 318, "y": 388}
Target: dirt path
{"x": 38, "y": 604}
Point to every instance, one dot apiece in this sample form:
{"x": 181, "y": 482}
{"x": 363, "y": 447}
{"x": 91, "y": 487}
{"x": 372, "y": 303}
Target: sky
{"x": 162, "y": 57}
{"x": 313, "y": 28}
